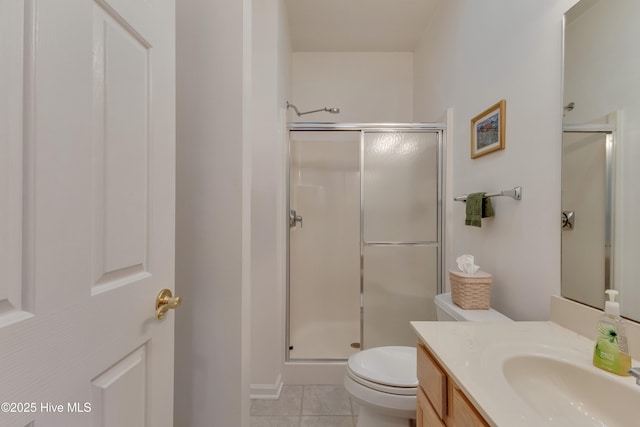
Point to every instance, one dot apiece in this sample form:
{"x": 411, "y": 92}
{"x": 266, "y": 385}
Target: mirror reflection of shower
{"x": 588, "y": 193}
{"x": 332, "y": 110}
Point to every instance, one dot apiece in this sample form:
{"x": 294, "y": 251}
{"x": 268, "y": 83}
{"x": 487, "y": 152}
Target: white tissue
{"x": 466, "y": 265}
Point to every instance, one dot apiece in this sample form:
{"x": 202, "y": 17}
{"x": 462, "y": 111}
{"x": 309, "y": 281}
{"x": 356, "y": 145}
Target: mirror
{"x": 601, "y": 154}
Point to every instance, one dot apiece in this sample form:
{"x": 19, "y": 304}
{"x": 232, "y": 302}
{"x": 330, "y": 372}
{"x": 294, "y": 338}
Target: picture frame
{"x": 487, "y": 130}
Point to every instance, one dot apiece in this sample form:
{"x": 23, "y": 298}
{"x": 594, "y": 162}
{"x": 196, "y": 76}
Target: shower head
{"x": 328, "y": 110}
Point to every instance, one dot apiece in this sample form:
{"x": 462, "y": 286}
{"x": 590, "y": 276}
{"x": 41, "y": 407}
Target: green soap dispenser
{"x": 611, "y": 352}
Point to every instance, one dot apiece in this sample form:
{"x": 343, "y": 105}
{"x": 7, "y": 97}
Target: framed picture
{"x": 487, "y": 130}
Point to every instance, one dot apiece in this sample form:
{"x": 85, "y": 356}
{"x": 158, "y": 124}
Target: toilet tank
{"x": 446, "y": 310}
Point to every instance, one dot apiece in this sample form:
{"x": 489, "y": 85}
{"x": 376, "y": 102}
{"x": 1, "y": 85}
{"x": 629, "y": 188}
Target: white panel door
{"x": 87, "y": 191}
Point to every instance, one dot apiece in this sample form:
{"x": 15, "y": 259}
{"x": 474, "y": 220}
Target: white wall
{"x": 472, "y": 55}
{"x": 270, "y": 85}
{"x": 366, "y": 86}
{"x": 212, "y": 230}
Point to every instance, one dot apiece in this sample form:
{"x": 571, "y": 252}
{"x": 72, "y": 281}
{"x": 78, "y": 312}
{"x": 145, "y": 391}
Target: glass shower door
{"x": 401, "y": 237}
{"x": 586, "y": 197}
{"x": 324, "y": 244}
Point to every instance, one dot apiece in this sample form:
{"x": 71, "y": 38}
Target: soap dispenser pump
{"x": 611, "y": 351}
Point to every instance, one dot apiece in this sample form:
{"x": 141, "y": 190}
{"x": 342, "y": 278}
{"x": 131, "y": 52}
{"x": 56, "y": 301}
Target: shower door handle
{"x": 568, "y": 220}
{"x": 294, "y": 218}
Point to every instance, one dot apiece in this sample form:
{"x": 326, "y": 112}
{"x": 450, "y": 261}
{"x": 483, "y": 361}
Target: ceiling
{"x": 357, "y": 25}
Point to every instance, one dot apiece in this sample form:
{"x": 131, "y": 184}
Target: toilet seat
{"x": 386, "y": 369}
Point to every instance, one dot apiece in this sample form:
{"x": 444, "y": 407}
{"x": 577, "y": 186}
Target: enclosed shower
{"x": 365, "y": 235}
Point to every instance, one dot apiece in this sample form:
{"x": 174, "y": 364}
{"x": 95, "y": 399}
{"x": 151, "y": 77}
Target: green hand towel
{"x": 487, "y": 207}
{"x": 478, "y": 207}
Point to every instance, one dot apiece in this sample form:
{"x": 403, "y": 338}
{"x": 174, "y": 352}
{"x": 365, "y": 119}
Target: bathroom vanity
{"x": 516, "y": 373}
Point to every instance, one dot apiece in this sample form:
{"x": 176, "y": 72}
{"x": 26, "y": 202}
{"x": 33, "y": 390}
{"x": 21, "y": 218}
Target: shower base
{"x": 324, "y": 340}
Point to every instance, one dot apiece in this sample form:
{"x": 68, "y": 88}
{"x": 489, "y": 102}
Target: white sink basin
{"x": 569, "y": 394}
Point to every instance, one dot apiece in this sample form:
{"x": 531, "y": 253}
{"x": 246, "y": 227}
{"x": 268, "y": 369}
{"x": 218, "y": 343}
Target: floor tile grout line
{"x": 305, "y": 393}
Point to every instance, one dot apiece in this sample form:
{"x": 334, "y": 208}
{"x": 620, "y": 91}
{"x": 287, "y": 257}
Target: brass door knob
{"x": 166, "y": 301}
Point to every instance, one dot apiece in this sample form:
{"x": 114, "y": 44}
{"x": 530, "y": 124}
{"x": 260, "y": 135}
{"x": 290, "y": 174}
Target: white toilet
{"x": 383, "y": 379}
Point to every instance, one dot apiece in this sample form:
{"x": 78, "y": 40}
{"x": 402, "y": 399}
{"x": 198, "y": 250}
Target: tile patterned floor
{"x": 306, "y": 406}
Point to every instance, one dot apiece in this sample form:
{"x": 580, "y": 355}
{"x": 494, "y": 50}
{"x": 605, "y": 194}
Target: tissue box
{"x": 471, "y": 292}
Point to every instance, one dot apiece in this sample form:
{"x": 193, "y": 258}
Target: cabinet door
{"x": 433, "y": 381}
{"x": 426, "y": 416}
{"x": 464, "y": 414}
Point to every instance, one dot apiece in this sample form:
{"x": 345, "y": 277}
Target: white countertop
{"x": 472, "y": 354}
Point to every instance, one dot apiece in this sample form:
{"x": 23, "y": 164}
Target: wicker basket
{"x": 471, "y": 292}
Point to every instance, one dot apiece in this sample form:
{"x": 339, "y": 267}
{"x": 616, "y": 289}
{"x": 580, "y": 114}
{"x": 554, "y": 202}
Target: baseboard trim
{"x": 267, "y": 391}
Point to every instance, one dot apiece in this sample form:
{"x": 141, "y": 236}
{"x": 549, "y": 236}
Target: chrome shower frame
{"x": 440, "y": 130}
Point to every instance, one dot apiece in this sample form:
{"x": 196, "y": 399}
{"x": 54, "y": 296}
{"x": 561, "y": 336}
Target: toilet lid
{"x": 393, "y": 366}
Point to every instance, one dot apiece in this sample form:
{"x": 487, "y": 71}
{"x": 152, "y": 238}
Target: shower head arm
{"x": 313, "y": 111}
{"x": 329, "y": 110}
{"x": 294, "y": 108}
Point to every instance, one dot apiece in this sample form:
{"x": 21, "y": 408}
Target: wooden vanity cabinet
{"x": 440, "y": 400}
{"x": 426, "y": 416}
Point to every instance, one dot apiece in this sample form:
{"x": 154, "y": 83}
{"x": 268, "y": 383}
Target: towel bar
{"x": 514, "y": 193}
